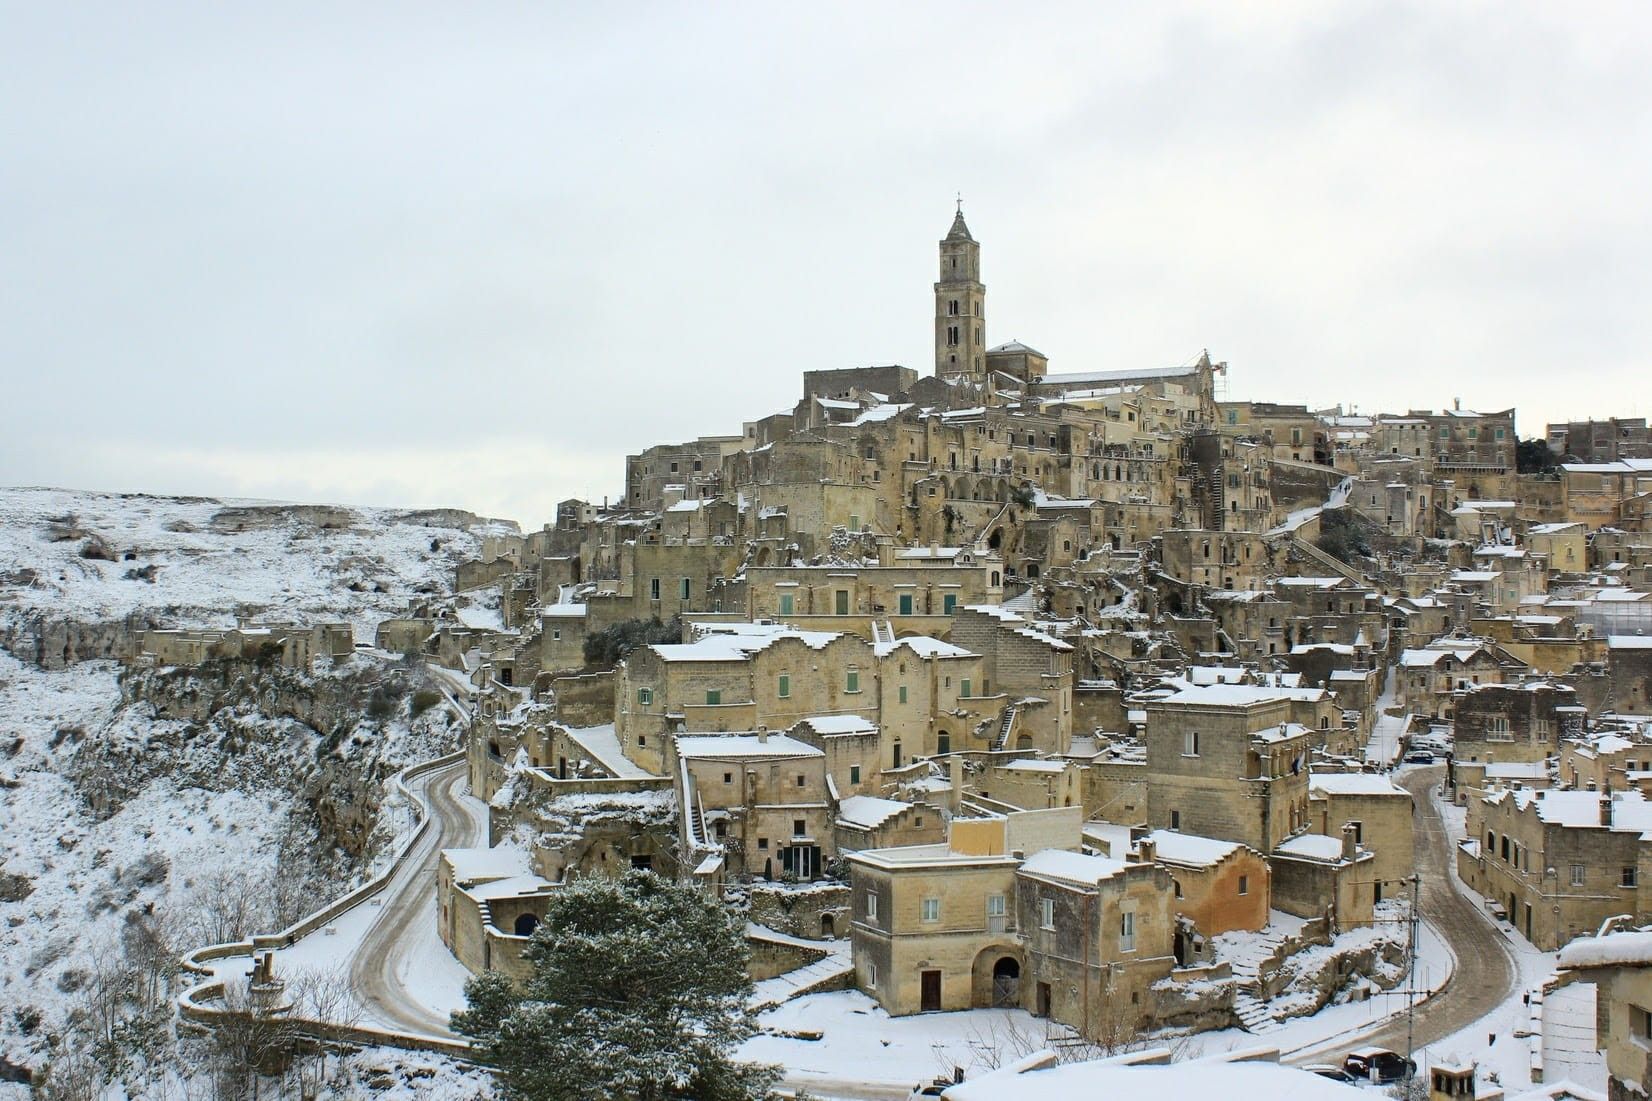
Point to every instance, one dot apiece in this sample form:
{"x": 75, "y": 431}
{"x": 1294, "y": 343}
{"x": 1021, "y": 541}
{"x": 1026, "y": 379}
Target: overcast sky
{"x": 471, "y": 255}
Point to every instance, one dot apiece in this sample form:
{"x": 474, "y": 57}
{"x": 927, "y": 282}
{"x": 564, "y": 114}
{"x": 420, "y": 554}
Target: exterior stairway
{"x": 1005, "y": 727}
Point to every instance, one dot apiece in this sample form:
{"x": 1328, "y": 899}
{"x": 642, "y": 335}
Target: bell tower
{"x": 960, "y": 307}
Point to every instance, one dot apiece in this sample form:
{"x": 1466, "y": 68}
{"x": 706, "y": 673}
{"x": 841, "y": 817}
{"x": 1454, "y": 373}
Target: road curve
{"x": 408, "y": 912}
{"x": 1485, "y": 976}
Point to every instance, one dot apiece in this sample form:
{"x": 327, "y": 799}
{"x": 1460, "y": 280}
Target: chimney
{"x": 1146, "y": 850}
{"x": 1350, "y": 847}
{"x": 1606, "y": 810}
{"x": 762, "y": 735}
{"x": 956, "y": 767}
{"x": 934, "y": 550}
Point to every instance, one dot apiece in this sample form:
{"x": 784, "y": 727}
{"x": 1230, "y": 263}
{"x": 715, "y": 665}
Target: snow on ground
{"x": 288, "y": 566}
{"x": 1569, "y": 1050}
{"x": 1332, "y": 1027}
{"x": 862, "y": 1042}
{"x": 165, "y": 846}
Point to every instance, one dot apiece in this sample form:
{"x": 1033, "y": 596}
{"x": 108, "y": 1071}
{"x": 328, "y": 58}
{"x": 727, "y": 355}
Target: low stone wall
{"x": 586, "y": 699}
{"x": 809, "y": 911}
{"x": 771, "y": 957}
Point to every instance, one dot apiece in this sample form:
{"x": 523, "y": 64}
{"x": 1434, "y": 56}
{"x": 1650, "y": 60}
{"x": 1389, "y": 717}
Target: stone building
{"x": 1619, "y": 963}
{"x": 998, "y": 917}
{"x": 1559, "y": 863}
{"x": 1381, "y": 813}
{"x": 1220, "y": 886}
{"x": 1518, "y": 723}
{"x": 925, "y": 697}
{"x": 1226, "y": 761}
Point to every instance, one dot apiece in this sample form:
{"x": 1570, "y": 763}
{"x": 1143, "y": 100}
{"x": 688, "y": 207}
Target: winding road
{"x": 1485, "y": 975}
{"x": 382, "y": 967}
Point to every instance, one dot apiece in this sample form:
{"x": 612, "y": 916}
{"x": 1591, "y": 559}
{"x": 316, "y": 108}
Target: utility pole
{"x": 1411, "y": 979}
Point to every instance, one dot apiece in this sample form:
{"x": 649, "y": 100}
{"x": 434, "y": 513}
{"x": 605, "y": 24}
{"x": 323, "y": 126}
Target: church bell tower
{"x": 960, "y": 307}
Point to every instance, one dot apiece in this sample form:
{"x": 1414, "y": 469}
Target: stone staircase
{"x": 1254, "y": 1013}
{"x": 1005, "y": 727}
{"x": 1255, "y": 1016}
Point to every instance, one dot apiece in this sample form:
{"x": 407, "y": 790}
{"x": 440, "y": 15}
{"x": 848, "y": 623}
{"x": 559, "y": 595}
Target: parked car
{"x": 934, "y": 1089}
{"x": 1326, "y": 1070}
{"x": 1378, "y": 1064}
{"x": 1420, "y": 757}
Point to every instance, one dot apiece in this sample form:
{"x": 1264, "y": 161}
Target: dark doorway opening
{"x": 931, "y": 984}
{"x": 526, "y": 924}
{"x": 1006, "y": 983}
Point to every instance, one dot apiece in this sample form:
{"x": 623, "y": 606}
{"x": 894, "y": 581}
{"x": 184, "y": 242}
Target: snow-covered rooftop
{"x": 1313, "y": 846}
{"x": 868, "y": 811}
{"x": 1071, "y": 867}
{"x": 716, "y": 746}
{"x": 1354, "y": 783}
{"x": 1190, "y": 849}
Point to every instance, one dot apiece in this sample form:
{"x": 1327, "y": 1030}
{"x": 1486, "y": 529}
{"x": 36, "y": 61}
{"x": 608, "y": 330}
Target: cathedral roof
{"x": 1017, "y": 346}
{"x": 959, "y": 231}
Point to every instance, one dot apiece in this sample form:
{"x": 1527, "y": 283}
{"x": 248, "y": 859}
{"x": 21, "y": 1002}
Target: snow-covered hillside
{"x": 199, "y": 561}
{"x": 131, "y": 831}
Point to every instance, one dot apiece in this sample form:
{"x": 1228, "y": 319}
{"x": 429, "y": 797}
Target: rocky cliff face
{"x": 54, "y": 642}
{"x": 332, "y": 740}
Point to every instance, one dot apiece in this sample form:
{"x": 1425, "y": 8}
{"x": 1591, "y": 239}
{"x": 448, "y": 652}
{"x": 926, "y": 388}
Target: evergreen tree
{"x": 638, "y": 990}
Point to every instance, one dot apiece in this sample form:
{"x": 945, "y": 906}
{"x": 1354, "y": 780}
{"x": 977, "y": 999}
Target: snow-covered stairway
{"x": 1254, "y": 1015}
{"x": 826, "y": 972}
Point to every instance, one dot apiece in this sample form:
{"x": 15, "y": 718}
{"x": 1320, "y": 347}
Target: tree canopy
{"x": 638, "y": 989}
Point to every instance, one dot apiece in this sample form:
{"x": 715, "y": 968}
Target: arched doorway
{"x": 526, "y": 924}
{"x": 826, "y": 932}
{"x": 1006, "y": 983}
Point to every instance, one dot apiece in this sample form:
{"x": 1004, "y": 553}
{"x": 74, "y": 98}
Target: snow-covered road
{"x": 395, "y": 973}
{"x": 1486, "y": 976}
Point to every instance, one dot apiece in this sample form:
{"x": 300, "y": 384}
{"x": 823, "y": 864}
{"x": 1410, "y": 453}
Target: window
{"x": 654, "y": 589}
{"x": 995, "y": 906}
{"x": 645, "y": 696}
{"x": 728, "y": 777}
{"x": 673, "y": 468}
{"x": 1628, "y": 877}
{"x": 932, "y": 909}
{"x": 1577, "y": 875}
{"x": 1640, "y": 1025}
{"x": 1175, "y": 819}
{"x": 799, "y": 826}
{"x": 851, "y": 681}
{"x": 842, "y": 601}
{"x": 901, "y": 693}
{"x": 943, "y": 743}
{"x": 1359, "y": 832}
{"x": 854, "y": 523}
{"x": 788, "y": 604}
{"x": 871, "y": 968}
{"x": 948, "y": 604}
{"x": 556, "y": 635}
{"x": 1046, "y": 913}
{"x": 872, "y": 905}
{"x": 683, "y": 591}
{"x": 1497, "y": 729}
{"x": 906, "y": 603}
{"x": 784, "y": 689}
{"x": 1127, "y": 931}
{"x": 697, "y": 465}
{"x": 963, "y": 689}
{"x": 854, "y": 774}
{"x": 1190, "y": 743}
{"x": 763, "y": 843}
{"x": 1244, "y": 884}
{"x": 714, "y": 696}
